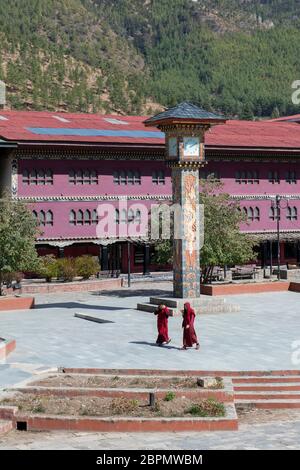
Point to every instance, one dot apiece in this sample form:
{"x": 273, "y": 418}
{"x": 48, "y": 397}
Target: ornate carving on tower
{"x": 185, "y": 126}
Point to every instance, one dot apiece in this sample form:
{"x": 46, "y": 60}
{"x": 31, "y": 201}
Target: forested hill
{"x": 238, "y": 57}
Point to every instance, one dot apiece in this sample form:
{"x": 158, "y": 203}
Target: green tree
{"x": 224, "y": 244}
{"x": 18, "y": 231}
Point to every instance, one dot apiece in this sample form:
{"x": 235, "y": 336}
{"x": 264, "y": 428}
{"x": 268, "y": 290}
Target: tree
{"x": 224, "y": 244}
{"x": 18, "y": 230}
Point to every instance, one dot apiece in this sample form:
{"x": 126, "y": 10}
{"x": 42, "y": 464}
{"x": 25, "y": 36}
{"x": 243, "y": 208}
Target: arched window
{"x": 130, "y": 216}
{"x": 117, "y": 216}
{"x": 94, "y": 177}
{"x": 87, "y": 217}
{"x": 79, "y": 177}
{"x": 124, "y": 217}
{"x": 116, "y": 177}
{"x": 42, "y": 217}
{"x": 49, "y": 218}
{"x": 291, "y": 177}
{"x": 72, "y": 217}
{"x": 123, "y": 179}
{"x": 41, "y": 177}
{"x": 292, "y": 213}
{"x": 72, "y": 177}
{"x": 256, "y": 213}
{"x": 161, "y": 177}
{"x": 35, "y": 215}
{"x": 49, "y": 177}
{"x": 238, "y": 177}
{"x": 80, "y": 217}
{"x": 33, "y": 177}
{"x": 273, "y": 213}
{"x": 86, "y": 177}
{"x": 130, "y": 178}
{"x": 25, "y": 177}
{"x": 138, "y": 217}
{"x": 95, "y": 216}
{"x": 250, "y": 214}
{"x": 137, "y": 177}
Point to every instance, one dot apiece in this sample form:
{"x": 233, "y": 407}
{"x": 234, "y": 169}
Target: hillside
{"x": 239, "y": 57}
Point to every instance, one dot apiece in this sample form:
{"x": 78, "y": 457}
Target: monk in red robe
{"x": 163, "y": 315}
{"x": 189, "y": 334}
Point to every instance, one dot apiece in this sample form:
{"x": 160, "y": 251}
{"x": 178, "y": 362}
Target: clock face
{"x": 173, "y": 149}
{"x": 191, "y": 146}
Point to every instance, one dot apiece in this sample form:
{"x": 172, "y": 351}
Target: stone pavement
{"x": 277, "y": 435}
{"x": 259, "y": 337}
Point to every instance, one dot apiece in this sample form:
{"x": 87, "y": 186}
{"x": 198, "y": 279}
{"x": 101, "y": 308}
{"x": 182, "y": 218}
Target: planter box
{"x": 16, "y": 303}
{"x": 76, "y": 286}
{"x": 249, "y": 288}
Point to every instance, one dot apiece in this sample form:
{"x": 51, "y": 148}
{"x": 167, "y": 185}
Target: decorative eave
{"x": 143, "y": 197}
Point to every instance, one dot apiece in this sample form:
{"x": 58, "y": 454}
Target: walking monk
{"x": 163, "y": 315}
{"x": 189, "y": 334}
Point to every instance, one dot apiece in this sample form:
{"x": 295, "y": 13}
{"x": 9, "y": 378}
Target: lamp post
{"x": 278, "y": 199}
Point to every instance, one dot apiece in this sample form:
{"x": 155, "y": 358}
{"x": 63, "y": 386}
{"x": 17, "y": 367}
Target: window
{"x": 290, "y": 177}
{"x": 79, "y": 220}
{"x": 40, "y": 177}
{"x": 49, "y": 218}
{"x": 72, "y": 218}
{"x": 274, "y": 177}
{"x": 95, "y": 217}
{"x": 138, "y": 217}
{"x": 273, "y": 213}
{"x": 205, "y": 174}
{"x": 247, "y": 177}
{"x": 158, "y": 177}
{"x": 85, "y": 177}
{"x": 87, "y": 217}
{"x": 126, "y": 178}
{"x": 252, "y": 213}
{"x": 292, "y": 213}
{"x": 130, "y": 217}
{"x": 117, "y": 216}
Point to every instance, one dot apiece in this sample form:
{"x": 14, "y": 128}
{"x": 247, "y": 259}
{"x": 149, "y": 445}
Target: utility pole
{"x": 278, "y": 199}
{"x": 128, "y": 262}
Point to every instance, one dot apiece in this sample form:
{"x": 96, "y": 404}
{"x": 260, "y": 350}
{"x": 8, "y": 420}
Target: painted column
{"x": 104, "y": 258}
{"x": 146, "y": 270}
{"x": 186, "y": 255}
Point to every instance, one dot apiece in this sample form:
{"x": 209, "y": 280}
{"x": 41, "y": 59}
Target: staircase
{"x": 267, "y": 392}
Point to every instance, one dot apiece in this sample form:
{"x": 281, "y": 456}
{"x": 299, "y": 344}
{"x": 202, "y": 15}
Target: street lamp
{"x": 278, "y": 199}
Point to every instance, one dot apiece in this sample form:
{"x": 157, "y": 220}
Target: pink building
{"x": 67, "y": 165}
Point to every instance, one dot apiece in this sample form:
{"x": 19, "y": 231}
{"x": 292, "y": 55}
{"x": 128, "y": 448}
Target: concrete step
{"x": 209, "y": 307}
{"x": 267, "y": 404}
{"x": 238, "y": 396}
{"x": 267, "y": 380}
{"x": 5, "y": 426}
{"x": 269, "y": 387}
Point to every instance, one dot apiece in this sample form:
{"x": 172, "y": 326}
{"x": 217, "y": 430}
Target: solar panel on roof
{"x": 116, "y": 121}
{"x": 95, "y": 132}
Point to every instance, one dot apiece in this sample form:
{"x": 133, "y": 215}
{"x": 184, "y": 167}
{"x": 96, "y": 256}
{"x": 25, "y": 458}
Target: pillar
{"x": 146, "y": 269}
{"x": 104, "y": 258}
{"x": 186, "y": 255}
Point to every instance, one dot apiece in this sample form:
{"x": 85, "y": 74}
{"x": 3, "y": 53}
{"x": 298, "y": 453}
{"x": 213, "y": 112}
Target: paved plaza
{"x": 259, "y": 337}
{"x": 270, "y": 436}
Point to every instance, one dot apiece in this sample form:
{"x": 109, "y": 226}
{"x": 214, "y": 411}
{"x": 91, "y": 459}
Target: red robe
{"x": 162, "y": 325}
{"x": 189, "y": 334}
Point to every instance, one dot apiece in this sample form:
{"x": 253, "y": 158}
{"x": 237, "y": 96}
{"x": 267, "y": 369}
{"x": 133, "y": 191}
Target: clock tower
{"x": 185, "y": 126}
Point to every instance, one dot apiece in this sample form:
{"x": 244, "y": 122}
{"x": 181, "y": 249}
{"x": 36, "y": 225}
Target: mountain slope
{"x": 239, "y": 57}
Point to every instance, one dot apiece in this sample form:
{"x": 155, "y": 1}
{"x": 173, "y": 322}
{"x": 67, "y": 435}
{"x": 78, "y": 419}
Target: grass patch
{"x": 169, "y": 396}
{"x": 207, "y": 408}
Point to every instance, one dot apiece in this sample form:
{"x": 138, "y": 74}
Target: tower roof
{"x": 185, "y": 112}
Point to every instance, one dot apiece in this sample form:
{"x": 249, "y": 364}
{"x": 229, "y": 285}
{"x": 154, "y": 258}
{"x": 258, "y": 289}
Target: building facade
{"x": 66, "y": 166}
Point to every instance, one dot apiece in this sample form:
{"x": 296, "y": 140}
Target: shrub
{"x": 48, "y": 267}
{"x": 87, "y": 266}
{"x": 66, "y": 269}
{"x": 123, "y": 406}
{"x": 169, "y": 396}
{"x": 207, "y": 408}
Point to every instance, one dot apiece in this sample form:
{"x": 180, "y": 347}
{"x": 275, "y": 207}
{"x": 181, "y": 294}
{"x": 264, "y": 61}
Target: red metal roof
{"x": 15, "y": 126}
{"x": 293, "y": 118}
